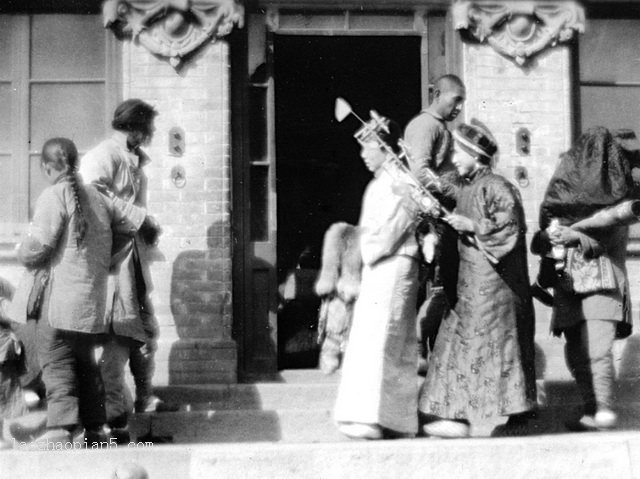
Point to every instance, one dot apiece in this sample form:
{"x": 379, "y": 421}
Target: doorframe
{"x": 280, "y": 20}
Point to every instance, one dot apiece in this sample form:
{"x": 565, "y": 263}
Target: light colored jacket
{"x": 117, "y": 170}
{"x": 76, "y": 292}
{"x": 387, "y": 221}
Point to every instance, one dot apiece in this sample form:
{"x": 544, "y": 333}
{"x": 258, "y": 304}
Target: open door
{"x": 320, "y": 175}
{"x": 287, "y": 75}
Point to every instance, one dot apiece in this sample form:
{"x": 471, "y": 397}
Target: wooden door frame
{"x": 240, "y": 141}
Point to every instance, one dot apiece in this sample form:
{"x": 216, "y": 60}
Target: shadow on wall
{"x": 201, "y": 308}
{"x": 206, "y": 354}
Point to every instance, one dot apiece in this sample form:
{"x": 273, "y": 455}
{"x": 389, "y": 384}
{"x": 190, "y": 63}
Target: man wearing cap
{"x": 115, "y": 166}
{"x": 429, "y": 144}
{"x": 482, "y": 363}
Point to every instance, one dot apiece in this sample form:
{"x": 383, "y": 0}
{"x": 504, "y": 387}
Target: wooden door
{"x": 255, "y": 285}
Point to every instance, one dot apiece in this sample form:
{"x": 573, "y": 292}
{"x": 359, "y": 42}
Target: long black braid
{"x": 62, "y": 154}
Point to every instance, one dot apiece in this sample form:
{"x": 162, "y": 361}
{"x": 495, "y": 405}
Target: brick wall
{"x": 507, "y": 97}
{"x": 191, "y": 268}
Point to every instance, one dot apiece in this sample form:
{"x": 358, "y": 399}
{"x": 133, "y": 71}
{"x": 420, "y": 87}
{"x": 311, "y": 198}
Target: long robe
{"x": 483, "y": 360}
{"x": 378, "y": 383}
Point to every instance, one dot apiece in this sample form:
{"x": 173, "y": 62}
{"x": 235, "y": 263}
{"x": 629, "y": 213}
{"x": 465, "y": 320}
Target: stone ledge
{"x": 588, "y": 456}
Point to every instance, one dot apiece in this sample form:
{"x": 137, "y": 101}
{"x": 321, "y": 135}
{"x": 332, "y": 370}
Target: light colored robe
{"x": 378, "y": 384}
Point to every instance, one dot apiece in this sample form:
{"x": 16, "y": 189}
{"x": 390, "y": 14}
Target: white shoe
{"x": 447, "y": 429}
{"x": 31, "y": 398}
{"x": 606, "y": 419}
{"x": 603, "y": 420}
{"x": 356, "y": 430}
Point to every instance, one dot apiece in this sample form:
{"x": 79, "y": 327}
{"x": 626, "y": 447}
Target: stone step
{"x": 297, "y": 420}
{"x": 224, "y": 426}
{"x": 586, "y": 455}
{"x": 321, "y": 395}
{"x": 250, "y": 396}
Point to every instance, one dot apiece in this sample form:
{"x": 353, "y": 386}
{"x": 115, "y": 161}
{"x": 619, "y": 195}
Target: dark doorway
{"x": 320, "y": 177}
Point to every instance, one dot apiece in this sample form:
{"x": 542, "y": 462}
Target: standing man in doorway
{"x": 115, "y": 166}
{"x": 430, "y": 145}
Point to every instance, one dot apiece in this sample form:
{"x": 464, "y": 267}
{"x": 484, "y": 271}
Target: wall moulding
{"x": 518, "y": 29}
{"x": 172, "y": 28}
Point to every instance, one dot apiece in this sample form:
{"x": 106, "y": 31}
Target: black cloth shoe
{"x": 517, "y": 425}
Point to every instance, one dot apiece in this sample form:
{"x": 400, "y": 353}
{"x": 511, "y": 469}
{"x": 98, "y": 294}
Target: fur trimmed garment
{"x": 338, "y": 286}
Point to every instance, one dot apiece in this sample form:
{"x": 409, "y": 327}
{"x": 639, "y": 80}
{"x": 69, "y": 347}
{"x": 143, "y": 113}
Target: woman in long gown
{"x": 483, "y": 360}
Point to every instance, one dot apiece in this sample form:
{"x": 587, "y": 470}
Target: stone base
{"x": 203, "y": 361}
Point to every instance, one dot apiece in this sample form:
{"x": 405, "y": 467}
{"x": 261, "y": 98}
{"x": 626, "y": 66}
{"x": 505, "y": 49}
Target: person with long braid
{"x": 71, "y": 236}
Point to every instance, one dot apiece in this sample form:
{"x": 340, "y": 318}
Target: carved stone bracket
{"x": 172, "y": 28}
{"x": 519, "y": 29}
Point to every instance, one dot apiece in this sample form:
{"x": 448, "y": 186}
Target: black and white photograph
{"x": 319, "y": 239}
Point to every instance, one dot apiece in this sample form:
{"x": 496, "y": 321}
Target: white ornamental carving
{"x": 519, "y": 29}
{"x": 172, "y": 28}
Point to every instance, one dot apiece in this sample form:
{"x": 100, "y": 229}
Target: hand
{"x": 563, "y": 235}
{"x": 460, "y": 223}
{"x": 150, "y": 231}
{"x": 148, "y": 348}
{"x": 428, "y": 245}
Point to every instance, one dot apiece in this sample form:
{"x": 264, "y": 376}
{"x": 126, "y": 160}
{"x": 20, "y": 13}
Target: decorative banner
{"x": 172, "y": 28}
{"x": 519, "y": 30}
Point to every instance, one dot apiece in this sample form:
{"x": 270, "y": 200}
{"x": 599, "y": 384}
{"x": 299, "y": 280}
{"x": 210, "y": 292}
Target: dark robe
{"x": 483, "y": 362}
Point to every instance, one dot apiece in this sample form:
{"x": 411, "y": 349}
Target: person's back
{"x": 70, "y": 237}
{"x": 78, "y": 275}
{"x": 113, "y": 164}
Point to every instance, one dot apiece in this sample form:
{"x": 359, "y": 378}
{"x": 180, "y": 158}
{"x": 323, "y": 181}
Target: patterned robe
{"x": 378, "y": 383}
{"x": 483, "y": 361}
